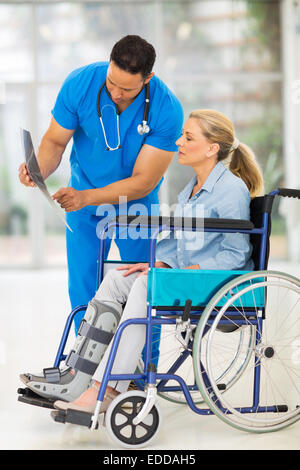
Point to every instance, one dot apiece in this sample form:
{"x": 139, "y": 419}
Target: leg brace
{"x": 95, "y": 332}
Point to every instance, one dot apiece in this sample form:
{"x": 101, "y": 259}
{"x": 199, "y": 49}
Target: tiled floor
{"x": 34, "y": 306}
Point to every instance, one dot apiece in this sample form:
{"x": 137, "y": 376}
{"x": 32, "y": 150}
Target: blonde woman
{"x": 207, "y": 140}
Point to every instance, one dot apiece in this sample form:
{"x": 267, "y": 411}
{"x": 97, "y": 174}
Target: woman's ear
{"x": 214, "y": 149}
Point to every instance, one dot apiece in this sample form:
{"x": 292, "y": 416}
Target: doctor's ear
{"x": 147, "y": 80}
{"x": 214, "y": 149}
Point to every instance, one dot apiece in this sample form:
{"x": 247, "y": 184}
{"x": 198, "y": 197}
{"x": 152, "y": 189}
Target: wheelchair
{"x": 229, "y": 340}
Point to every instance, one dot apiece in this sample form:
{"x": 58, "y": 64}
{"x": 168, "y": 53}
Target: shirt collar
{"x": 208, "y": 185}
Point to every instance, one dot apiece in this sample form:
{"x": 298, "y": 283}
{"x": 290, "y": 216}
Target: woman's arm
{"x": 143, "y": 267}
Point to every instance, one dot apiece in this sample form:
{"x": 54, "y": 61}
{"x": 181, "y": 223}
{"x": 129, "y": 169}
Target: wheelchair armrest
{"x": 186, "y": 222}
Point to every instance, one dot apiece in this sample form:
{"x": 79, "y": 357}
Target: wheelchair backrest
{"x": 258, "y": 206}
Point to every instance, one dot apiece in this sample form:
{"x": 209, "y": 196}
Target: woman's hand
{"x": 70, "y": 199}
{"x": 133, "y": 268}
{"x": 143, "y": 267}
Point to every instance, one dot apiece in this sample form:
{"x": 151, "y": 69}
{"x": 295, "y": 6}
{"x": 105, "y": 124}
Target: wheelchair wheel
{"x": 267, "y": 395}
{"x": 119, "y": 417}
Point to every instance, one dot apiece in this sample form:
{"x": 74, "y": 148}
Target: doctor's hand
{"x": 24, "y": 176}
{"x": 70, "y": 199}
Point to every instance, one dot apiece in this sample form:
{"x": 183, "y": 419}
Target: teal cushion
{"x": 172, "y": 287}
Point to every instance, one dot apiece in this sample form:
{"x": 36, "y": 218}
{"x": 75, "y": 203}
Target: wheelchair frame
{"x": 150, "y": 376}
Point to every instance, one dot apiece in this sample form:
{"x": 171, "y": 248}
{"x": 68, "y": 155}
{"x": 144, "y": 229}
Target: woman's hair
{"x": 134, "y": 55}
{"x": 218, "y": 128}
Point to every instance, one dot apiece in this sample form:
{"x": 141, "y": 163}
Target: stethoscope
{"x": 141, "y": 128}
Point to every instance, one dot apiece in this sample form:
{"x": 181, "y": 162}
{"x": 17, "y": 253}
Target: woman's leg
{"x": 115, "y": 288}
{"x": 132, "y": 339}
{"x": 131, "y": 342}
{"x": 101, "y": 319}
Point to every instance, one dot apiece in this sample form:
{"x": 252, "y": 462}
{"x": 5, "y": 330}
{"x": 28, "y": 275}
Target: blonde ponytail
{"x": 218, "y": 128}
{"x": 243, "y": 164}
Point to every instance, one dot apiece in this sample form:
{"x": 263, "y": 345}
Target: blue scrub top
{"x": 92, "y": 166}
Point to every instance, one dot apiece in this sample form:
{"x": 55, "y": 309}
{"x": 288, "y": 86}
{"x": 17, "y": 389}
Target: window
{"x": 223, "y": 54}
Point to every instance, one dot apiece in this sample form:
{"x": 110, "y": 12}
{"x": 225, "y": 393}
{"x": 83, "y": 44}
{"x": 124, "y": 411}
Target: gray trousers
{"x": 117, "y": 290}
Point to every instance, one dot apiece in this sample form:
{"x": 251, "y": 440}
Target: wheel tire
{"x": 120, "y": 414}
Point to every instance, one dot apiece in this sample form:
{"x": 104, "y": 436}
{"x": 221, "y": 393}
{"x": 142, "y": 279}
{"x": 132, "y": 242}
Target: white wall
{"x": 291, "y": 109}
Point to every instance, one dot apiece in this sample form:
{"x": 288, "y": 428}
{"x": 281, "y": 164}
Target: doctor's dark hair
{"x": 134, "y": 55}
{"x": 218, "y": 128}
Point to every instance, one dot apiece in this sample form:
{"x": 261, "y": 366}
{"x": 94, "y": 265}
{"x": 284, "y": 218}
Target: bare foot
{"x": 89, "y": 397}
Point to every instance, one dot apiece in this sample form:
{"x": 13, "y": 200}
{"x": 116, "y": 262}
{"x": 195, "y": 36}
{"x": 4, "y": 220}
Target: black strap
{"x": 79, "y": 363}
{"x": 52, "y": 375}
{"x": 89, "y": 331}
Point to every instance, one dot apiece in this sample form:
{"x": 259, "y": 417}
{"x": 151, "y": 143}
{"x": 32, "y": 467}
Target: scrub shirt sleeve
{"x": 169, "y": 126}
{"x": 235, "y": 248}
{"x": 67, "y": 101}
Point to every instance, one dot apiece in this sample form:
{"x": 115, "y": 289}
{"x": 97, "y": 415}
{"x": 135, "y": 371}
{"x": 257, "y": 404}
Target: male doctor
{"x": 124, "y": 122}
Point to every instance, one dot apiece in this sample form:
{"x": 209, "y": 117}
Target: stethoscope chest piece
{"x": 143, "y": 128}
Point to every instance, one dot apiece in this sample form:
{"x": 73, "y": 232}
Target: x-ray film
{"x": 35, "y": 173}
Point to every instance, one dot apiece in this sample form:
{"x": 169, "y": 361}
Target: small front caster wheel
{"x": 119, "y": 420}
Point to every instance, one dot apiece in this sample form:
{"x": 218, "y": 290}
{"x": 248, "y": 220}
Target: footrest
{"x": 28, "y": 396}
{"x": 73, "y": 417}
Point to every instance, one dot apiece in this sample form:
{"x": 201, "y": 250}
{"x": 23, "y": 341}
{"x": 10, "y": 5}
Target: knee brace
{"x": 95, "y": 332}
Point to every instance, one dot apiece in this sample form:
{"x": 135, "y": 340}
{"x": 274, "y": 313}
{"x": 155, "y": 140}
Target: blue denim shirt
{"x": 223, "y": 195}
